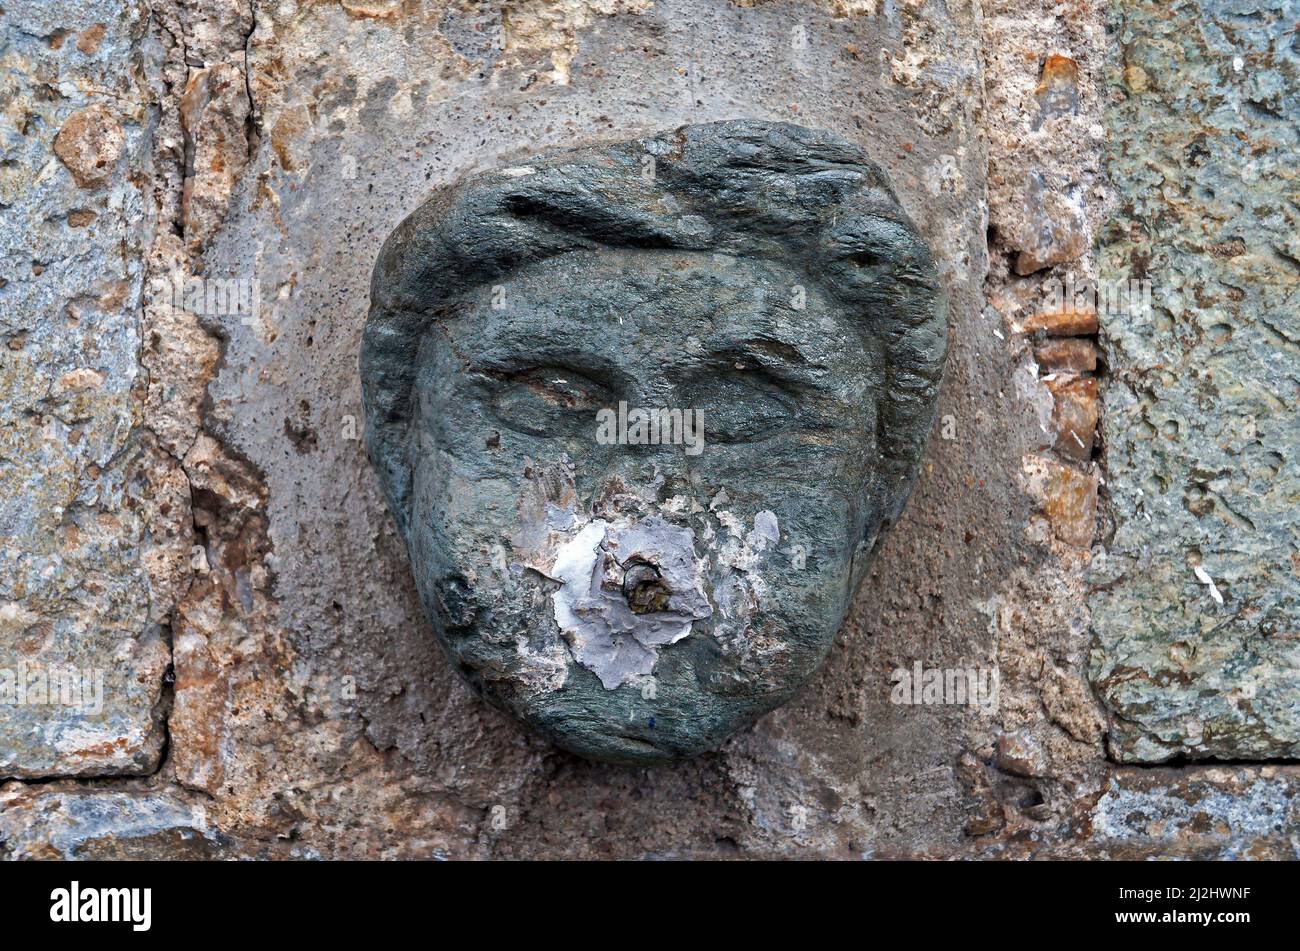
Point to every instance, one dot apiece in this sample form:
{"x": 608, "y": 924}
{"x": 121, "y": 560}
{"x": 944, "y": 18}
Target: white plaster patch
{"x": 606, "y": 636}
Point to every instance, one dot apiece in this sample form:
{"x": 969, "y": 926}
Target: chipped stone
{"x": 213, "y": 111}
{"x": 1058, "y": 88}
{"x": 1075, "y": 416}
{"x": 1067, "y": 496}
{"x": 1063, "y": 322}
{"x": 1069, "y": 355}
{"x": 1020, "y": 755}
{"x": 1055, "y": 229}
{"x": 89, "y": 144}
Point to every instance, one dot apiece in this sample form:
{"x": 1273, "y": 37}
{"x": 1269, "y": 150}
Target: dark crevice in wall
{"x": 253, "y": 124}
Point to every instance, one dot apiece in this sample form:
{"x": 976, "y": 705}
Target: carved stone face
{"x": 642, "y": 412}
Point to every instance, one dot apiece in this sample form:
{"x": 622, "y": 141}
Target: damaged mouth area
{"x": 626, "y": 592}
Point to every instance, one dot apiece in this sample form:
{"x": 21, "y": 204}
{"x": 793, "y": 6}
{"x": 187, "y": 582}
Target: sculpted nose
{"x": 644, "y": 589}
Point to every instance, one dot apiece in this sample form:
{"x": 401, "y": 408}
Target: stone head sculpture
{"x": 642, "y": 412}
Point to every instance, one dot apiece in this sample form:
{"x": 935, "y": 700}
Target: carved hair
{"x": 771, "y": 190}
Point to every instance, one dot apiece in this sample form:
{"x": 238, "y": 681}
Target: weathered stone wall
{"x": 85, "y": 491}
{"x": 187, "y": 506}
{"x": 1197, "y": 603}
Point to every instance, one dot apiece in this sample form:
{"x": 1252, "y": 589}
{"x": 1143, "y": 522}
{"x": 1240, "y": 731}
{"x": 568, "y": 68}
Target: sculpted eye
{"x": 548, "y": 401}
{"x": 741, "y": 406}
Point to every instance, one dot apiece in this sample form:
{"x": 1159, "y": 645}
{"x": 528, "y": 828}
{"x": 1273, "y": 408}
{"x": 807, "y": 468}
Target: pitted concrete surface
{"x": 205, "y": 501}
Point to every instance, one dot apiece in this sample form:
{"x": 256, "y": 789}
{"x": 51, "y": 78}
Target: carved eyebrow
{"x": 767, "y": 349}
{"x": 511, "y": 362}
{"x": 775, "y": 354}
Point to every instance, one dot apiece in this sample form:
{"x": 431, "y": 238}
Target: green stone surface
{"x": 1202, "y": 434}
